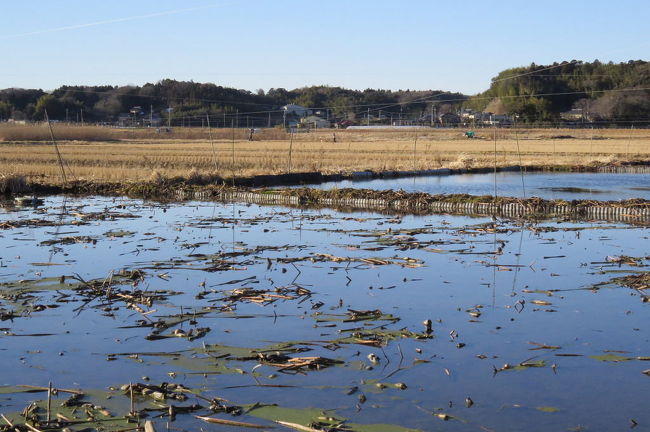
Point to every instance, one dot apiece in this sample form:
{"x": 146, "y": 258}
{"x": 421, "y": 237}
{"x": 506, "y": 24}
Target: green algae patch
{"x": 547, "y": 409}
{"x": 611, "y": 358}
{"x": 318, "y": 419}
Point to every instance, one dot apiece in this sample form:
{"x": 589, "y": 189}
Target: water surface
{"x": 525, "y": 321}
{"x": 567, "y": 186}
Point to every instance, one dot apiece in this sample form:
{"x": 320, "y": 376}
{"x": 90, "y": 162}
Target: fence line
{"x": 600, "y": 211}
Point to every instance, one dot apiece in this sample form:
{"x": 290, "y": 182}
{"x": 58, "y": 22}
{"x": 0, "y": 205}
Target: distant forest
{"x": 602, "y": 91}
{"x": 190, "y": 102}
{"x": 536, "y": 94}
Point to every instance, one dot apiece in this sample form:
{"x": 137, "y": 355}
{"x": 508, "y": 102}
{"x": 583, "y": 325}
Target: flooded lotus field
{"x": 202, "y": 316}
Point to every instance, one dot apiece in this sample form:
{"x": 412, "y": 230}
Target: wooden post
{"x": 49, "y": 402}
{"x": 214, "y": 152}
{"x": 290, "y": 149}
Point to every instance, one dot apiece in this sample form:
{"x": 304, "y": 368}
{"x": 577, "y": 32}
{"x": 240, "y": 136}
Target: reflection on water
{"x": 318, "y": 309}
{"x": 597, "y": 186}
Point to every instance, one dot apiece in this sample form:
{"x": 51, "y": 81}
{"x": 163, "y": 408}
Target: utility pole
{"x": 66, "y": 115}
{"x": 82, "y": 116}
{"x": 169, "y": 117}
{"x": 284, "y": 118}
{"x": 269, "y": 123}
{"x": 432, "y": 117}
{"x": 368, "y": 117}
{"x": 151, "y": 115}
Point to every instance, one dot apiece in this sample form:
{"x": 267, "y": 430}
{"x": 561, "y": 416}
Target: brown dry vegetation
{"x": 106, "y": 154}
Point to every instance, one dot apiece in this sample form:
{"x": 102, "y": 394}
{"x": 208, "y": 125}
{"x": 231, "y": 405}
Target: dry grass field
{"x": 106, "y": 154}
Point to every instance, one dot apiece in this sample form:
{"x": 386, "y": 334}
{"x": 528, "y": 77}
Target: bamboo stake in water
{"x": 49, "y": 402}
{"x": 495, "y": 163}
{"x": 521, "y": 167}
{"x": 132, "y": 412}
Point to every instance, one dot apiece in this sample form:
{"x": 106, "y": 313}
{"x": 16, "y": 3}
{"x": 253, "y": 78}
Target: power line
{"x": 535, "y": 71}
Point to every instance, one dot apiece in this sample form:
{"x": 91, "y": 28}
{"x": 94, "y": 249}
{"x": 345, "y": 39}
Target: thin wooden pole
{"x": 214, "y": 152}
{"x": 49, "y": 402}
{"x": 290, "y": 149}
{"x": 415, "y": 145}
{"x": 56, "y": 148}
{"x": 495, "y": 163}
{"x": 232, "y": 123}
{"x": 521, "y": 167}
{"x": 132, "y": 412}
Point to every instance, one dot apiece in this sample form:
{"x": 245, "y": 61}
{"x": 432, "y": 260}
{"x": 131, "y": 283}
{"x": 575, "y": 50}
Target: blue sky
{"x": 251, "y": 44}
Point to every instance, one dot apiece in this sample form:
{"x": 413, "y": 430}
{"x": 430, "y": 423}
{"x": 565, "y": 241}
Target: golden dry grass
{"x": 139, "y": 156}
{"x": 65, "y": 132}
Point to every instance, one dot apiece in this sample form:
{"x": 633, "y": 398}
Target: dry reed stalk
{"x": 13, "y": 184}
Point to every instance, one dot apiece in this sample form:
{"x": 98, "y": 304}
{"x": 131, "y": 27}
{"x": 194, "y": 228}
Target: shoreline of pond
{"x": 257, "y": 189}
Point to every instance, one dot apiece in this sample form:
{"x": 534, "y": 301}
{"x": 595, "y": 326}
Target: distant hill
{"x": 190, "y": 102}
{"x": 537, "y": 93}
{"x": 540, "y": 93}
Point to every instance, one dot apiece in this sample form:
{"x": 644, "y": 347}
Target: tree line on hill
{"x": 614, "y": 92}
{"x": 190, "y": 100}
{"x": 535, "y": 94}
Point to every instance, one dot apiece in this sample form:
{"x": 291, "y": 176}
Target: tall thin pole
{"x": 290, "y": 149}
{"x": 495, "y": 163}
{"x": 232, "y": 123}
{"x": 56, "y": 148}
{"x": 49, "y": 402}
{"x": 214, "y": 152}
{"x": 521, "y": 167}
{"x": 415, "y": 145}
{"x": 628, "y": 141}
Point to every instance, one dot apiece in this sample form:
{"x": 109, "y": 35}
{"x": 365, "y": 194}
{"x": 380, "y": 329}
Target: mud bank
{"x": 243, "y": 189}
{"x": 317, "y": 177}
{"x": 162, "y": 186}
